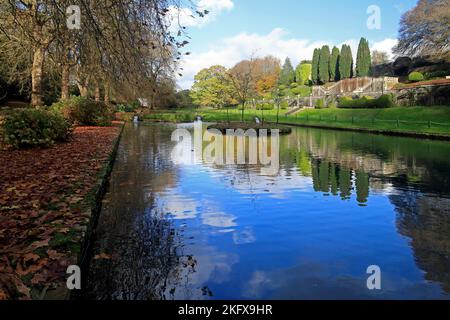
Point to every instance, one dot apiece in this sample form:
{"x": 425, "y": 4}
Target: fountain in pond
{"x": 135, "y": 119}
{"x": 257, "y": 120}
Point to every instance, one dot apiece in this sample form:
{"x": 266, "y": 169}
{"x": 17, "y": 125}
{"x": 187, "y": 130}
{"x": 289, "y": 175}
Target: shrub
{"x": 436, "y": 75}
{"x": 125, "y": 108}
{"x": 384, "y": 101}
{"x": 320, "y": 104}
{"x": 284, "y": 105}
{"x": 303, "y": 91}
{"x": 265, "y": 106}
{"x": 332, "y": 105}
{"x": 26, "y": 128}
{"x": 83, "y": 111}
{"x": 135, "y": 104}
{"x": 416, "y": 76}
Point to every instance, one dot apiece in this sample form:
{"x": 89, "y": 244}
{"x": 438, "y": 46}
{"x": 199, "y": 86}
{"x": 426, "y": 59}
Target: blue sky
{"x": 237, "y": 28}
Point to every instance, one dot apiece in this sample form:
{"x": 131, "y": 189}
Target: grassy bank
{"x": 410, "y": 120}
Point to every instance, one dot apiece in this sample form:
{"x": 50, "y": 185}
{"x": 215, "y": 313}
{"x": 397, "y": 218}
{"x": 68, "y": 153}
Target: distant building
{"x": 143, "y": 102}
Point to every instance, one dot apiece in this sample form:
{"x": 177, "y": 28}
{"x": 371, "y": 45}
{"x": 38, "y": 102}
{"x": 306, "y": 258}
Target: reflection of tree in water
{"x": 425, "y": 220}
{"x": 144, "y": 264}
{"x": 137, "y": 250}
{"x": 362, "y": 187}
{"x": 331, "y": 178}
{"x": 418, "y": 171}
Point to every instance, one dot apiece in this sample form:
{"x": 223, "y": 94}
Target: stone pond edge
{"x": 98, "y": 191}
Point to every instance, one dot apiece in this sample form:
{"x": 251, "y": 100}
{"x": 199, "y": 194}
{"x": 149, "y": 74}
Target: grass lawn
{"x": 421, "y": 120}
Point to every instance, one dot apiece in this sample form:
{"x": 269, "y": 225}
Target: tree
{"x": 287, "y": 75}
{"x": 334, "y": 65}
{"x": 115, "y": 50}
{"x": 303, "y": 72}
{"x": 212, "y": 88}
{"x": 266, "y": 73}
{"x": 241, "y": 77}
{"x": 315, "y": 66}
{"x": 184, "y": 99}
{"x": 346, "y": 62}
{"x": 424, "y": 30}
{"x": 31, "y": 24}
{"x": 266, "y": 85}
{"x": 379, "y": 57}
{"x": 363, "y": 59}
{"x": 324, "y": 65}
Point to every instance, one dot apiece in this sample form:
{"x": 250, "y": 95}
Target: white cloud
{"x": 229, "y": 51}
{"x": 216, "y": 5}
{"x": 385, "y": 45}
{"x": 186, "y": 17}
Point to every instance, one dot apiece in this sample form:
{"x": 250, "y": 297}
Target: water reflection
{"x": 339, "y": 202}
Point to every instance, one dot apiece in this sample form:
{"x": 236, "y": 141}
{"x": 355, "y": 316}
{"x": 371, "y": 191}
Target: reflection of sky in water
{"x": 312, "y": 230}
{"x": 270, "y": 223}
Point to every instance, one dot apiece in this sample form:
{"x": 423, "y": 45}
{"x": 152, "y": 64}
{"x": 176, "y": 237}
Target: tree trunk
{"x": 36, "y": 77}
{"x": 83, "y": 90}
{"x": 82, "y": 82}
{"x": 97, "y": 91}
{"x": 107, "y": 99}
{"x": 65, "y": 92}
{"x": 83, "y": 87}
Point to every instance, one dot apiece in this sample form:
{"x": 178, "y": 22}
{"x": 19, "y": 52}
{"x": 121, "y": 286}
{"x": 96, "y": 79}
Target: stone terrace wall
{"x": 356, "y": 86}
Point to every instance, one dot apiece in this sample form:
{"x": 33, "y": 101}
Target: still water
{"x": 340, "y": 202}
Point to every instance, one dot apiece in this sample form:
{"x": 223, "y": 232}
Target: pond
{"x": 339, "y": 203}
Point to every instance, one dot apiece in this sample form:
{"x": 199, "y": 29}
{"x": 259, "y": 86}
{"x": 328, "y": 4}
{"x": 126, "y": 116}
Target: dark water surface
{"x": 341, "y": 201}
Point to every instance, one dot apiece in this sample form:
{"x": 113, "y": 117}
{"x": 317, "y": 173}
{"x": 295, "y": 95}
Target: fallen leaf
{"x": 102, "y": 256}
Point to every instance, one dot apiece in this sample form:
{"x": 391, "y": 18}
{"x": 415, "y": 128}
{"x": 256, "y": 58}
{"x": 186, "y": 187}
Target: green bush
{"x": 284, "y": 105}
{"x": 416, "y": 76}
{"x": 27, "y": 128}
{"x": 265, "y": 106}
{"x": 332, "y": 105}
{"x": 436, "y": 75}
{"x": 320, "y": 104}
{"x": 384, "y": 101}
{"x": 303, "y": 91}
{"x": 86, "y": 112}
{"x": 125, "y": 108}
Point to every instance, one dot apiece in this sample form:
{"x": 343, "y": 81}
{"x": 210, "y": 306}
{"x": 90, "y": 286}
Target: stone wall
{"x": 356, "y": 86}
{"x": 403, "y": 66}
{"x": 423, "y": 95}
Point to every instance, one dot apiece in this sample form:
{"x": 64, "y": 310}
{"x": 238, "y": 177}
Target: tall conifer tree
{"x": 324, "y": 65}
{"x": 315, "y": 67}
{"x": 346, "y": 62}
{"x": 363, "y": 59}
{"x": 287, "y": 76}
{"x": 334, "y": 65}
